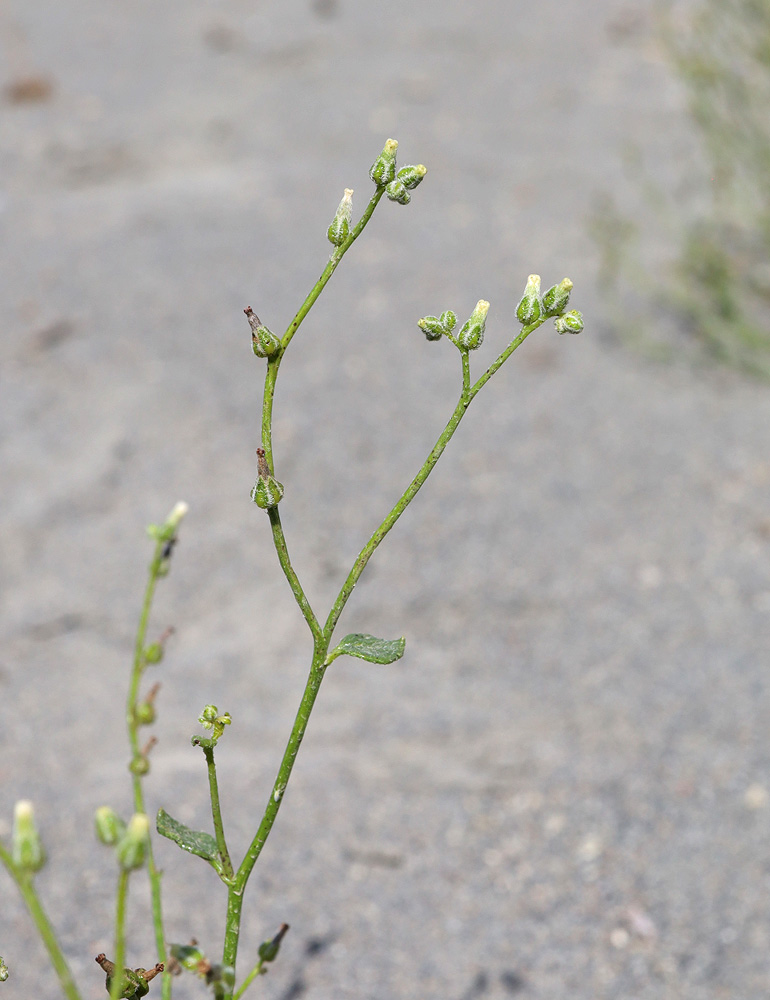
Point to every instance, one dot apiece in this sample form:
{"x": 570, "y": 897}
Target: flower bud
{"x": 449, "y": 320}
{"x": 396, "y": 191}
{"x": 263, "y": 341}
{"x": 132, "y": 846}
{"x": 529, "y": 309}
{"x": 471, "y": 332}
{"x": 3, "y": 970}
{"x": 208, "y": 716}
{"x": 432, "y": 327}
{"x": 174, "y": 518}
{"x": 109, "y": 826}
{"x": 571, "y": 322}
{"x": 27, "y": 848}
{"x": 339, "y": 230}
{"x": 411, "y": 176}
{"x": 556, "y": 298}
{"x": 267, "y": 491}
{"x": 383, "y": 170}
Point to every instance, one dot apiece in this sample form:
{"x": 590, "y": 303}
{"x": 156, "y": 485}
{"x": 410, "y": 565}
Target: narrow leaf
{"x": 194, "y": 841}
{"x": 369, "y": 647}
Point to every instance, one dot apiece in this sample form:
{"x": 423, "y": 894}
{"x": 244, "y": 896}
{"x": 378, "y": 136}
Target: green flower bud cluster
{"x": 26, "y": 846}
{"x": 3, "y": 970}
{"x": 267, "y": 491}
{"x": 339, "y": 230}
{"x": 471, "y": 333}
{"x": 534, "y": 306}
{"x": 130, "y": 841}
{"x": 397, "y": 185}
{"x": 264, "y": 342}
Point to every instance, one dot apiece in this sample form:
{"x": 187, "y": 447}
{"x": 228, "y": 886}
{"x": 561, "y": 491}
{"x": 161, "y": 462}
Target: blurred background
{"x": 562, "y": 789}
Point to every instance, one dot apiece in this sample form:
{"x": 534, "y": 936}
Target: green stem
{"x": 216, "y": 813}
{"x": 279, "y": 540}
{"x": 132, "y": 725}
{"x": 25, "y": 883}
{"x": 249, "y": 980}
{"x": 120, "y": 935}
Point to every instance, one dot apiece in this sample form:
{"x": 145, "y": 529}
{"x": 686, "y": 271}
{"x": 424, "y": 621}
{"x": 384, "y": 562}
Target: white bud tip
{"x": 139, "y": 825}
{"x": 482, "y": 308}
{"x": 179, "y": 511}
{"x": 348, "y": 194}
{"x": 391, "y": 145}
{"x": 23, "y": 810}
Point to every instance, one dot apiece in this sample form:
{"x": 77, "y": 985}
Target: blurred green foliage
{"x": 717, "y": 284}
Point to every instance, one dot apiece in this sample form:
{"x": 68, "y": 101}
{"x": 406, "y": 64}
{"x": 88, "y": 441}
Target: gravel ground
{"x": 561, "y": 790}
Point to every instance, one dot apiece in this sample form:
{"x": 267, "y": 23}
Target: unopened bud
{"x": 411, "y": 176}
{"x": 109, "y": 826}
{"x": 267, "y": 491}
{"x": 471, "y": 332}
{"x": 396, "y": 191}
{"x": 27, "y": 847}
{"x": 339, "y": 230}
{"x": 3, "y": 970}
{"x": 175, "y": 517}
{"x": 383, "y": 170}
{"x": 556, "y": 298}
{"x": 432, "y": 327}
{"x": 529, "y": 309}
{"x": 449, "y": 320}
{"x": 571, "y": 322}
{"x": 132, "y": 847}
{"x": 263, "y": 341}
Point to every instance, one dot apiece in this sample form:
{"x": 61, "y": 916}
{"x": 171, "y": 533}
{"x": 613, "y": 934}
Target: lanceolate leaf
{"x": 369, "y": 647}
{"x": 194, "y": 841}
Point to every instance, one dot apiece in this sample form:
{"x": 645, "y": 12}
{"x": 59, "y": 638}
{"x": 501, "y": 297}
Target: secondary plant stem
{"x": 26, "y": 885}
{"x": 121, "y": 899}
{"x": 133, "y": 738}
{"x": 216, "y": 812}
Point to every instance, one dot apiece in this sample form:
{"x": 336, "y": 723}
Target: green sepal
{"x": 26, "y": 846}
{"x": 189, "y": 956}
{"x": 368, "y": 647}
{"x": 263, "y": 341}
{"x": 131, "y": 849}
{"x": 193, "y": 841}
{"x": 153, "y": 653}
{"x": 339, "y": 230}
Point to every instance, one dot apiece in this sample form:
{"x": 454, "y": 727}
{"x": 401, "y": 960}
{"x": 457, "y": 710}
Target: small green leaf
{"x": 194, "y": 841}
{"x": 369, "y": 647}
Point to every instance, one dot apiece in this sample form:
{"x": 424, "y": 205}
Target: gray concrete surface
{"x": 561, "y": 791}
